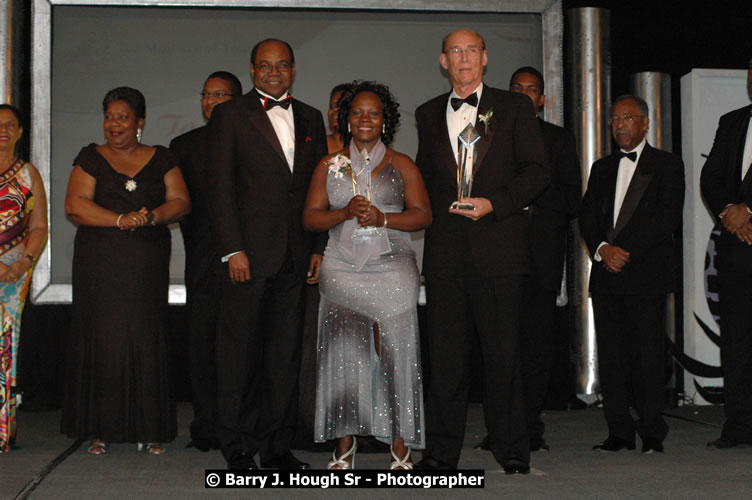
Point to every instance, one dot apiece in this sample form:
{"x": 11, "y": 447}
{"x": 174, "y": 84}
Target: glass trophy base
{"x": 365, "y": 232}
{"x": 462, "y": 205}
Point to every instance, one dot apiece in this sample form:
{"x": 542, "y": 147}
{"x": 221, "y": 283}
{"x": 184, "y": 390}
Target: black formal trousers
{"x": 460, "y": 301}
{"x": 202, "y": 285}
{"x": 203, "y": 315}
{"x": 536, "y": 350}
{"x": 735, "y": 290}
{"x": 631, "y": 347}
{"x": 258, "y": 357}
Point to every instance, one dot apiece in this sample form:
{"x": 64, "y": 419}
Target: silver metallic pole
{"x": 589, "y": 89}
{"x": 655, "y": 88}
{"x": 11, "y": 50}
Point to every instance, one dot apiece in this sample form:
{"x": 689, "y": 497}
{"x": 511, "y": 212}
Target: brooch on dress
{"x": 130, "y": 185}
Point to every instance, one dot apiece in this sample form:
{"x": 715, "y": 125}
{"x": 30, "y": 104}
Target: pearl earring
{"x": 138, "y": 134}
{"x": 348, "y": 128}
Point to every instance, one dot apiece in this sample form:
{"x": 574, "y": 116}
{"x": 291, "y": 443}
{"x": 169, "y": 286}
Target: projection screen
{"x": 81, "y": 49}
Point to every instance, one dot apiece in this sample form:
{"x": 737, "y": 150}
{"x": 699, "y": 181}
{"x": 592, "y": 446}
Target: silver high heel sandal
{"x": 401, "y": 463}
{"x": 152, "y": 448}
{"x": 341, "y": 462}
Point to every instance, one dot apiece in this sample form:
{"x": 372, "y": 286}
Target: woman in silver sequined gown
{"x": 368, "y": 364}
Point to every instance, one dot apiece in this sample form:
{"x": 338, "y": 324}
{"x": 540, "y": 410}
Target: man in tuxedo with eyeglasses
{"x": 629, "y": 217}
{"x": 475, "y": 259}
{"x": 262, "y": 149}
{"x": 202, "y": 266}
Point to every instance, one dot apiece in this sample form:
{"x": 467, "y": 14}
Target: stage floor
{"x": 687, "y": 469}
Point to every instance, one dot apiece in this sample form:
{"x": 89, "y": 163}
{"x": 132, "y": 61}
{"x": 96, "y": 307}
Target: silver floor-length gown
{"x": 360, "y": 391}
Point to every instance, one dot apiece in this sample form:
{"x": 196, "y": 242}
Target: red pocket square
{"x": 308, "y": 139}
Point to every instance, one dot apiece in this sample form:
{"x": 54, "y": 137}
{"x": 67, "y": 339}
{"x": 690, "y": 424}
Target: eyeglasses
{"x": 625, "y": 117}
{"x": 457, "y": 51}
{"x": 217, "y": 95}
{"x": 265, "y": 67}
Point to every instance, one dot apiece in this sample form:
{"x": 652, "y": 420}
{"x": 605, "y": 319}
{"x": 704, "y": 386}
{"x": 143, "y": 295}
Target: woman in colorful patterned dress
{"x": 23, "y": 231}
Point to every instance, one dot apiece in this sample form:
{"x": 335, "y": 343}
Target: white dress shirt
{"x": 747, "y": 156}
{"x": 284, "y": 126}
{"x": 458, "y": 120}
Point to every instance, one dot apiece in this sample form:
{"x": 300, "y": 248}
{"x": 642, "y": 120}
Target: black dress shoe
{"x": 483, "y": 445}
{"x": 515, "y": 466}
{"x": 286, "y": 461}
{"x": 203, "y": 444}
{"x": 649, "y": 445}
{"x": 203, "y": 435}
{"x": 430, "y": 463}
{"x": 723, "y": 443}
{"x": 537, "y": 443}
{"x": 614, "y": 443}
{"x": 242, "y": 460}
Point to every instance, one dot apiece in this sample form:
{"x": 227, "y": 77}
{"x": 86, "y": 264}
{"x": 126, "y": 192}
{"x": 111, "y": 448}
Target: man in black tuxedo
{"x": 726, "y": 184}
{"x": 262, "y": 148}
{"x": 549, "y": 220}
{"x": 202, "y": 265}
{"x": 475, "y": 259}
{"x": 630, "y": 213}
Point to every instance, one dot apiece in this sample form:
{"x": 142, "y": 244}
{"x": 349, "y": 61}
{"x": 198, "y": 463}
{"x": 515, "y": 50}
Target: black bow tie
{"x": 269, "y": 103}
{"x": 472, "y": 100}
{"x": 630, "y": 156}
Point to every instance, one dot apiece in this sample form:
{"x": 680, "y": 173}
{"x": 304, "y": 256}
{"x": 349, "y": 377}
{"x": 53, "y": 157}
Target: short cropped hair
{"x": 255, "y": 48}
{"x": 235, "y": 85}
{"x": 531, "y": 71}
{"x": 641, "y": 104}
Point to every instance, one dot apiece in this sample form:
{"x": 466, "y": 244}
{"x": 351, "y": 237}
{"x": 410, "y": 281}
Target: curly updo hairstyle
{"x": 388, "y": 103}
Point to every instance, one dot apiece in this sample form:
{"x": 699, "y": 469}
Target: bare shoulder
{"x": 34, "y": 171}
{"x": 402, "y": 161}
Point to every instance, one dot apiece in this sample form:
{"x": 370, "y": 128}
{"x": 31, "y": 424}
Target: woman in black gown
{"x": 122, "y": 194}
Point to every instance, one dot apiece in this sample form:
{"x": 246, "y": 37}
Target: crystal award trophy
{"x": 465, "y": 166}
{"x": 362, "y": 186}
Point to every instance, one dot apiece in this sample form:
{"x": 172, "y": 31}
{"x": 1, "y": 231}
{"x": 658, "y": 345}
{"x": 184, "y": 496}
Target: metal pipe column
{"x": 589, "y": 95}
{"x": 11, "y": 50}
{"x": 13, "y": 61}
{"x": 655, "y": 88}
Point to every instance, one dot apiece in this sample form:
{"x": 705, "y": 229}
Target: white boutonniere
{"x": 486, "y": 117}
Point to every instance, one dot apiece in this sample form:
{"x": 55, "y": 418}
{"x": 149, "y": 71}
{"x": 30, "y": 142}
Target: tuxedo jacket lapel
{"x": 260, "y": 120}
{"x": 444, "y": 145}
{"x": 738, "y": 153}
{"x": 637, "y": 186}
{"x": 486, "y": 133}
